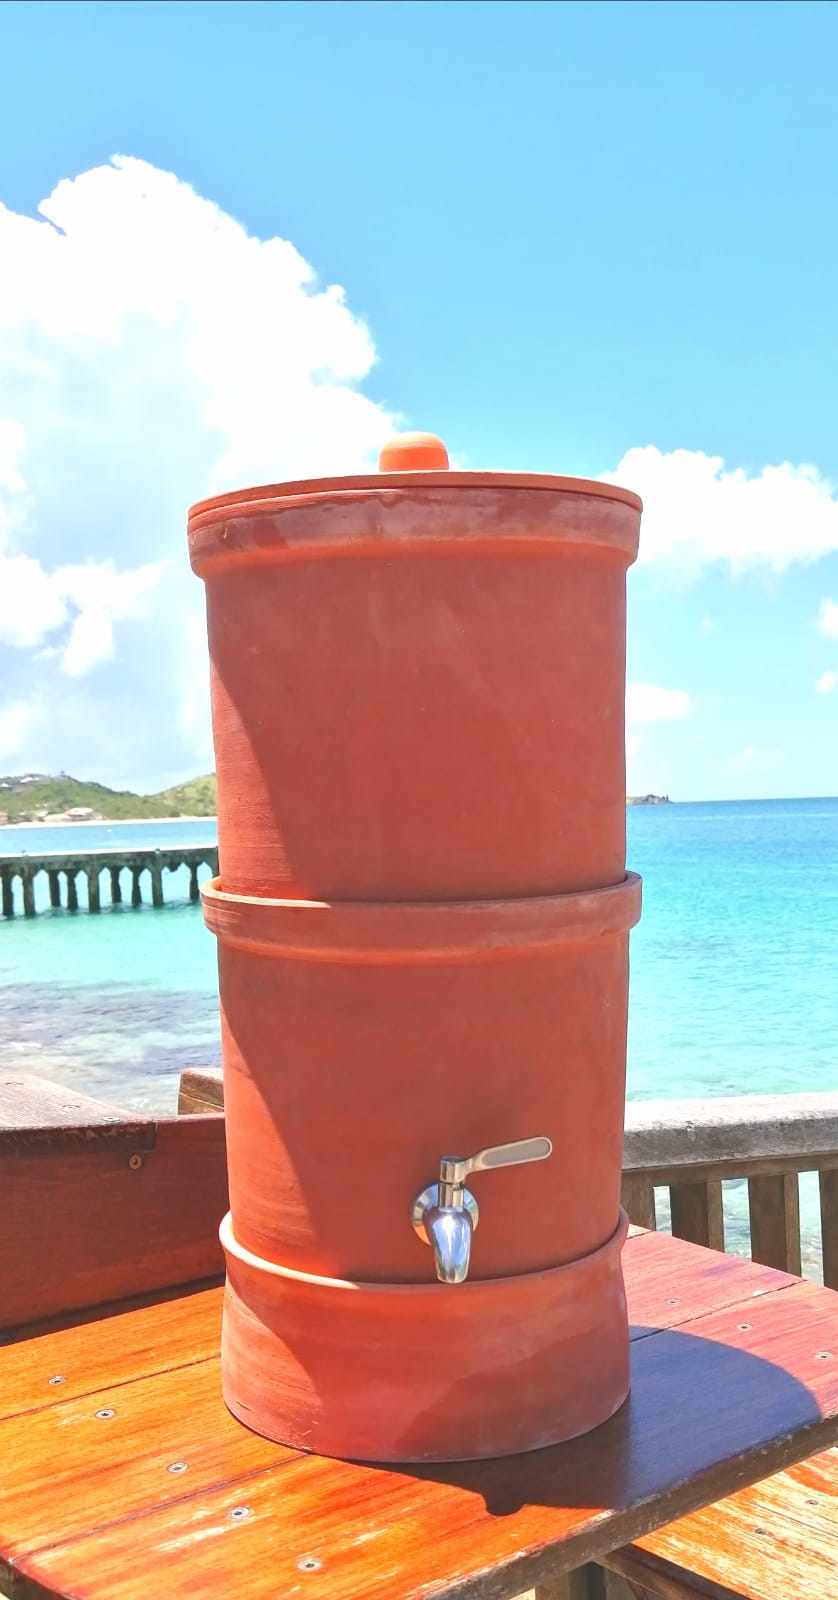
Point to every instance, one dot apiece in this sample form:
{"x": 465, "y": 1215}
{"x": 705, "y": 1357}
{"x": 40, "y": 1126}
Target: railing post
{"x": 828, "y": 1181}
{"x": 638, "y": 1197}
{"x": 774, "y": 1206}
{"x": 585, "y": 1583}
{"x": 697, "y": 1213}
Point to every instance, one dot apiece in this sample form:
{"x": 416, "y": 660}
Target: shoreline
{"x": 116, "y": 822}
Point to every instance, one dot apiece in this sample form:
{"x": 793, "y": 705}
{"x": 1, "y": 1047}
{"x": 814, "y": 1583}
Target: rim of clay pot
{"x": 306, "y": 488}
{"x": 450, "y": 513}
{"x": 427, "y": 931}
{"x": 472, "y": 1286}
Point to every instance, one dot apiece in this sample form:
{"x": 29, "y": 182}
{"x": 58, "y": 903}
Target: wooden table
{"x": 122, "y": 1473}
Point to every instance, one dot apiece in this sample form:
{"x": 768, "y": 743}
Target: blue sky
{"x": 596, "y": 239}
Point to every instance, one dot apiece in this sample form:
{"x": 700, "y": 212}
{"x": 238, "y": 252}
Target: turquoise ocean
{"x": 734, "y": 965}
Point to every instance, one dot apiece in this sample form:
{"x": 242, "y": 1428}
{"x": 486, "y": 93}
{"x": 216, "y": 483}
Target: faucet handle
{"x": 455, "y": 1169}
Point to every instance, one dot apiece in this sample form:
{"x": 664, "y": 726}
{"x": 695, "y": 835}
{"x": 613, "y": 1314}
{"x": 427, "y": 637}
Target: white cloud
{"x": 15, "y": 723}
{"x": 31, "y": 605}
{"x": 90, "y": 643}
{"x": 645, "y": 702}
{"x": 697, "y": 513}
{"x": 707, "y": 625}
{"x": 827, "y": 682}
{"x": 151, "y": 352}
{"x": 827, "y": 619}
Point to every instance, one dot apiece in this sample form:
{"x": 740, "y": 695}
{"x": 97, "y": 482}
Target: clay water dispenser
{"x": 422, "y": 918}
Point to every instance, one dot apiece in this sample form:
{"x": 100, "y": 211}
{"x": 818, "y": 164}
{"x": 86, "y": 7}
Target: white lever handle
{"x": 455, "y": 1169}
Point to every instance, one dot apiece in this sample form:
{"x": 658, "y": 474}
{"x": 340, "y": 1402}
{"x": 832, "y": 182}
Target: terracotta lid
{"x": 415, "y": 460}
{"x": 413, "y": 452}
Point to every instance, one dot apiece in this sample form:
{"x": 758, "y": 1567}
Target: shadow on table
{"x": 696, "y": 1408}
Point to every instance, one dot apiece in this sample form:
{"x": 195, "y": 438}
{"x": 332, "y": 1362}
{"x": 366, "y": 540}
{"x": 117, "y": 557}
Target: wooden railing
{"x": 691, "y": 1147}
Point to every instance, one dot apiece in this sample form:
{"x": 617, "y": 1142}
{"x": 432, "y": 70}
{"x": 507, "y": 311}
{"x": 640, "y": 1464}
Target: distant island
{"x": 35, "y": 797}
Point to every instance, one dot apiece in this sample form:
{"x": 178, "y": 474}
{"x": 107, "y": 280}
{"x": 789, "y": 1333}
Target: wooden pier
{"x": 89, "y": 865}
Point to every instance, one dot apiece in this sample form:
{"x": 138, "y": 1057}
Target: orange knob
{"x": 413, "y": 452}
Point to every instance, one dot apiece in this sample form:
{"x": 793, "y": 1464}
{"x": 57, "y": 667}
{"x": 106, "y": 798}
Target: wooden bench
{"x": 777, "y": 1540}
{"x": 98, "y": 1203}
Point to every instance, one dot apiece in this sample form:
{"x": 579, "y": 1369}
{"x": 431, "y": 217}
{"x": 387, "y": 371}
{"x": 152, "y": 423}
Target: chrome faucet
{"x": 446, "y": 1214}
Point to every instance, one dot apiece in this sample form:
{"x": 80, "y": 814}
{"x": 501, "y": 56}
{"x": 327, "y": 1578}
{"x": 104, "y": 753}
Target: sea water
{"x": 734, "y": 964}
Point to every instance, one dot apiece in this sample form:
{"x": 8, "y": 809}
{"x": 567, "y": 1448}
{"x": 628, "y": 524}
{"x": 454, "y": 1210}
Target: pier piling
{"x": 93, "y": 901}
{"x": 28, "y": 893}
{"x": 91, "y": 864}
{"x": 156, "y": 871}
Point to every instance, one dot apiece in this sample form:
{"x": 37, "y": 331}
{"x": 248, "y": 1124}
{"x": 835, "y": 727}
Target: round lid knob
{"x": 413, "y": 452}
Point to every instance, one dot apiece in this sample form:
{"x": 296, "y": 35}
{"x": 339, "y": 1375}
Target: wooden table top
{"x": 122, "y": 1472}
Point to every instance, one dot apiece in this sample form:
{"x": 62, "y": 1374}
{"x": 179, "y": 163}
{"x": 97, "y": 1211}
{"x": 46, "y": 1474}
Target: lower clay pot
{"x": 424, "y": 1372}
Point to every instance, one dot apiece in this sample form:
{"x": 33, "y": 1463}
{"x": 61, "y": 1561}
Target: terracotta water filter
{"x": 422, "y": 917}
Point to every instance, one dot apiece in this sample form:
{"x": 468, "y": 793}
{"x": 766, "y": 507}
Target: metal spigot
{"x": 446, "y": 1214}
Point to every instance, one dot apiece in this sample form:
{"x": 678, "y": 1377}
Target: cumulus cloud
{"x": 645, "y": 702}
{"x": 827, "y": 682}
{"x": 698, "y": 513}
{"x": 827, "y": 619}
{"x": 15, "y": 723}
{"x": 151, "y": 352}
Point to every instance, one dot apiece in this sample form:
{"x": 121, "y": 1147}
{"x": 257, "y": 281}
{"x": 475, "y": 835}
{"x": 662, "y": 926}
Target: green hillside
{"x": 31, "y": 796}
{"x": 195, "y": 798}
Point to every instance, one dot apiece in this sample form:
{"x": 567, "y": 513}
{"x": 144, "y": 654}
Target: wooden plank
{"x": 200, "y": 1090}
{"x": 697, "y": 1213}
{"x": 40, "y": 1117}
{"x": 734, "y": 1397}
{"x": 774, "y": 1208}
{"x": 773, "y": 1539}
{"x": 633, "y": 1574}
{"x": 638, "y": 1199}
{"x": 669, "y": 1282}
{"x": 829, "y": 1227}
{"x": 89, "y": 1460}
{"x": 88, "y": 1225}
{"x": 132, "y": 1341}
